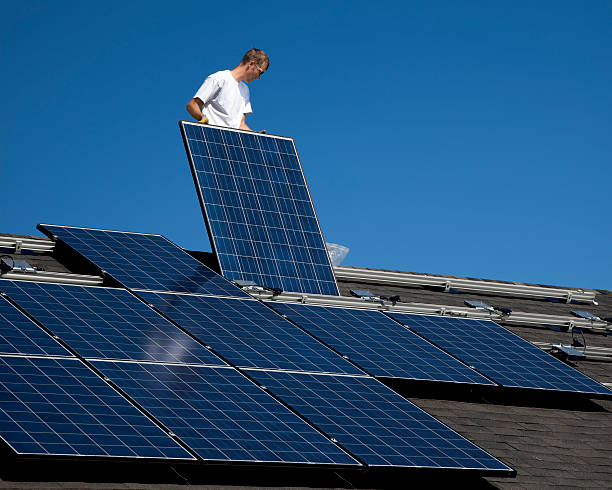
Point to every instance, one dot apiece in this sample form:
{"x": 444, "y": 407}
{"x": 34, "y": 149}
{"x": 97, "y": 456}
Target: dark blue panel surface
{"x": 378, "y": 344}
{"x": 222, "y": 415}
{"x": 259, "y": 213}
{"x": 61, "y": 407}
{"x": 142, "y": 261}
{"x": 20, "y": 335}
{"x": 500, "y": 354}
{"x": 373, "y": 422}
{"x": 107, "y": 323}
{"x": 248, "y": 334}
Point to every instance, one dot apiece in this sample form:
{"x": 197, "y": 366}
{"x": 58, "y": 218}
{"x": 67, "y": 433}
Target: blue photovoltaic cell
{"x": 222, "y": 415}
{"x": 248, "y": 334}
{"x": 500, "y": 354}
{"x": 258, "y": 209}
{"x": 20, "y": 335}
{"x": 61, "y": 407}
{"x": 106, "y": 323}
{"x": 374, "y": 423}
{"x": 142, "y": 261}
{"x": 378, "y": 344}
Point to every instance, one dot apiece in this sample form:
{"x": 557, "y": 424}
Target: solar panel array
{"x": 105, "y": 323}
{"x": 376, "y": 424}
{"x": 222, "y": 415}
{"x": 500, "y": 354}
{"x": 61, "y": 407}
{"x": 248, "y": 334}
{"x": 258, "y": 210}
{"x": 378, "y": 344}
{"x": 143, "y": 261}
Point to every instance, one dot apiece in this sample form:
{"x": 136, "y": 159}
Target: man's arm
{"x": 205, "y": 93}
{"x": 194, "y": 107}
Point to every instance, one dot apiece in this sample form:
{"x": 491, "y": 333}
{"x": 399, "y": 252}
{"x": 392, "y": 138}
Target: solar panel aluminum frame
{"x": 201, "y": 197}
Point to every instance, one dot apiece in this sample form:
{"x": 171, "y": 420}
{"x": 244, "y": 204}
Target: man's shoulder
{"x": 220, "y": 76}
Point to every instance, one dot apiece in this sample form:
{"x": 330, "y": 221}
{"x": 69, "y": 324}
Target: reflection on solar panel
{"x": 106, "y": 323}
{"x": 20, "y": 335}
{"x": 377, "y": 425}
{"x": 248, "y": 334}
{"x": 142, "y": 261}
{"x": 258, "y": 210}
{"x": 500, "y": 354}
{"x": 61, "y": 407}
{"x": 222, "y": 415}
{"x": 378, "y": 344}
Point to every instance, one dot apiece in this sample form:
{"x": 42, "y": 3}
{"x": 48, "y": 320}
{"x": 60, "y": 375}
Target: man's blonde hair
{"x": 258, "y": 56}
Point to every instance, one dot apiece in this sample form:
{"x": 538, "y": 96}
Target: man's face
{"x": 254, "y": 71}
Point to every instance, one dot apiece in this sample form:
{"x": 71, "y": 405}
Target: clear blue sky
{"x": 461, "y": 138}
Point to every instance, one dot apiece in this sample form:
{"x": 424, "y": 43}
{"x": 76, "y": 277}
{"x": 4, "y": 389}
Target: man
{"x": 223, "y": 99}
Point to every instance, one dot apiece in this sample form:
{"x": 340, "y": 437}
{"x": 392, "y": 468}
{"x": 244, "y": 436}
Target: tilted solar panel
{"x": 500, "y": 354}
{"x": 52, "y": 406}
{"x": 257, "y": 207}
{"x": 222, "y": 415}
{"x": 248, "y": 334}
{"x": 20, "y": 335}
{"x": 143, "y": 261}
{"x": 378, "y": 344}
{"x": 374, "y": 423}
{"x": 105, "y": 323}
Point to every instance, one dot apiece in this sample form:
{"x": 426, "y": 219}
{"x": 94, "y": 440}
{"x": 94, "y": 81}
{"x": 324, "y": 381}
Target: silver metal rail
{"x": 56, "y": 277}
{"x": 22, "y": 243}
{"x": 447, "y": 283}
{"x": 515, "y": 318}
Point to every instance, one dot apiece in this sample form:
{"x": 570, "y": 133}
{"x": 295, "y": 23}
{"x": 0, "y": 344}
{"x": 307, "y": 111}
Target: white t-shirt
{"x": 225, "y": 100}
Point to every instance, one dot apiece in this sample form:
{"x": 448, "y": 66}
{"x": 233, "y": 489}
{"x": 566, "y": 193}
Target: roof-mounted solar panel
{"x": 222, "y": 415}
{"x": 257, "y": 208}
{"x": 142, "y": 261}
{"x": 60, "y": 407}
{"x": 248, "y": 334}
{"x": 106, "y": 323}
{"x": 500, "y": 354}
{"x": 375, "y": 424}
{"x": 378, "y": 344}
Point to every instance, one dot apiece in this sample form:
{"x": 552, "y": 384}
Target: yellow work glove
{"x": 204, "y": 120}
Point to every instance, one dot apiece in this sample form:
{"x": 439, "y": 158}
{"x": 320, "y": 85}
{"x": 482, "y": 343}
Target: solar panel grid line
{"x": 95, "y": 322}
{"x": 376, "y": 424}
{"x": 62, "y": 407}
{"x": 258, "y": 209}
{"x": 378, "y": 344}
{"x": 246, "y": 333}
{"x": 141, "y": 260}
{"x": 22, "y": 334}
{"x": 501, "y": 355}
{"x": 222, "y": 415}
